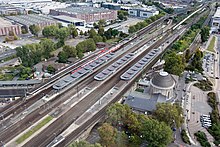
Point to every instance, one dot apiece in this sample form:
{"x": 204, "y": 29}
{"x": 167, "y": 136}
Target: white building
{"x": 143, "y": 12}
{"x": 216, "y": 21}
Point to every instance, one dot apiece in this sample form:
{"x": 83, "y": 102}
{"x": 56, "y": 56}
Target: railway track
{"x": 70, "y": 116}
{"x": 36, "y": 115}
{"x": 20, "y": 104}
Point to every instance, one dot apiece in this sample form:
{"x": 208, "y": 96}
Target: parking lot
{"x": 208, "y": 64}
{"x": 199, "y": 106}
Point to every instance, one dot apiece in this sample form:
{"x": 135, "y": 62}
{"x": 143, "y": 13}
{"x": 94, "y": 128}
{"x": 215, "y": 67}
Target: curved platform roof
{"x": 131, "y": 72}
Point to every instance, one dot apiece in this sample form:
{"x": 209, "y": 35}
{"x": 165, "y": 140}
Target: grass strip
{"x": 212, "y": 44}
{"x": 33, "y": 130}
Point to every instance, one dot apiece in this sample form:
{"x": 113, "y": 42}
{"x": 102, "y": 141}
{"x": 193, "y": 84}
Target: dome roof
{"x": 163, "y": 80}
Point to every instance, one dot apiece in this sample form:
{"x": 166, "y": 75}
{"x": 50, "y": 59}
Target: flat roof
{"x": 82, "y": 10}
{"x": 4, "y": 23}
{"x": 23, "y": 82}
{"x": 31, "y": 19}
{"x": 68, "y": 18}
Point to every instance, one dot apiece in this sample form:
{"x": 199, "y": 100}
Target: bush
{"x": 214, "y": 130}
{"x": 184, "y": 137}
{"x": 201, "y": 137}
{"x": 204, "y": 85}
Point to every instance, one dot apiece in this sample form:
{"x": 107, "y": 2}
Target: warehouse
{"x": 27, "y": 20}
{"x": 7, "y": 27}
{"x": 143, "y": 12}
{"x": 89, "y": 14}
{"x": 66, "y": 20}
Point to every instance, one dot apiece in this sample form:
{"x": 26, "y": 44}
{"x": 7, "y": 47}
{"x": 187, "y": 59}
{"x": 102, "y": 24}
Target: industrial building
{"x": 113, "y": 6}
{"x": 7, "y": 27}
{"x": 67, "y": 20}
{"x": 143, "y": 12}
{"x": 6, "y": 9}
{"x": 23, "y": 1}
{"x": 89, "y": 14}
{"x": 216, "y": 21}
{"x": 27, "y": 20}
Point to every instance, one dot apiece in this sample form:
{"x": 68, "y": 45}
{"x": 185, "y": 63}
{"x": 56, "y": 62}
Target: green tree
{"x": 47, "y": 46}
{"x": 62, "y": 33}
{"x": 107, "y": 135}
{"x": 101, "y": 23}
{"x": 118, "y": 113}
{"x": 205, "y": 33}
{"x": 50, "y": 69}
{"x": 97, "y": 39}
{"x": 50, "y": 31}
{"x": 174, "y": 64}
{"x": 170, "y": 114}
{"x": 34, "y": 29}
{"x": 70, "y": 51}
{"x": 81, "y": 33}
{"x": 101, "y": 31}
{"x": 92, "y": 33}
{"x": 62, "y": 57}
{"x": 131, "y": 29}
{"x": 73, "y": 31}
{"x": 157, "y": 134}
{"x": 121, "y": 16}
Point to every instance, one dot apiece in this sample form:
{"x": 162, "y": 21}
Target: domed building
{"x": 162, "y": 83}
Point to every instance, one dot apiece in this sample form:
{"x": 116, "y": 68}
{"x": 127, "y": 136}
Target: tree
{"x": 131, "y": 29}
{"x": 15, "y": 37}
{"x": 50, "y": 31}
{"x": 205, "y": 33}
{"x": 62, "y": 57}
{"x": 73, "y": 31}
{"x": 101, "y": 31}
{"x": 174, "y": 64}
{"x": 170, "y": 114}
{"x": 62, "y": 33}
{"x": 81, "y": 33}
{"x": 47, "y": 46}
{"x": 107, "y": 135}
{"x": 34, "y": 29}
{"x": 92, "y": 33}
{"x": 70, "y": 51}
{"x": 121, "y": 16}
{"x": 101, "y": 23}
{"x": 157, "y": 134}
{"x": 97, "y": 38}
{"x": 118, "y": 113}
{"x": 114, "y": 33}
{"x": 187, "y": 55}
{"x": 50, "y": 69}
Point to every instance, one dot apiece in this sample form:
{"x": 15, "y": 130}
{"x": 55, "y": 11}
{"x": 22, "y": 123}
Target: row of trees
{"x": 139, "y": 128}
{"x": 126, "y": 128}
{"x": 214, "y": 130}
{"x": 196, "y": 62}
{"x": 176, "y": 63}
{"x": 31, "y": 54}
{"x": 144, "y": 23}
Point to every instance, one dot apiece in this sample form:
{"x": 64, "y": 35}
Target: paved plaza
{"x": 199, "y": 106}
